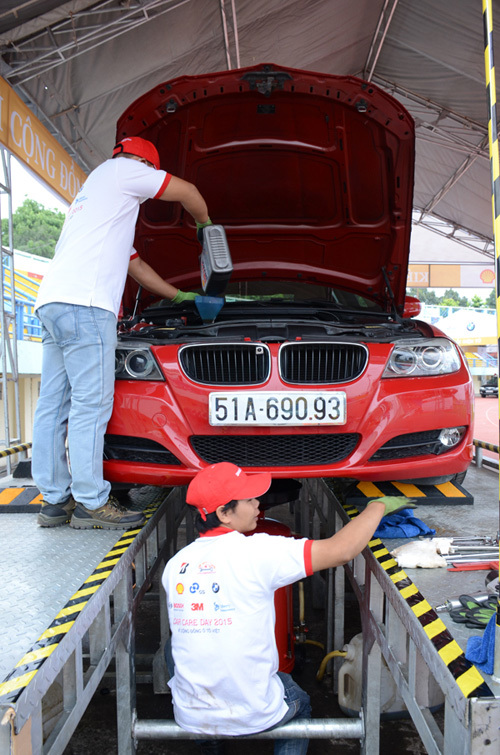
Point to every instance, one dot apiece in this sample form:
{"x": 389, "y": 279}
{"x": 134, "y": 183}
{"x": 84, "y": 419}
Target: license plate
{"x": 277, "y": 408}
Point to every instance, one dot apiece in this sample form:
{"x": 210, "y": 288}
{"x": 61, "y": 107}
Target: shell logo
{"x": 180, "y": 588}
{"x": 487, "y": 276}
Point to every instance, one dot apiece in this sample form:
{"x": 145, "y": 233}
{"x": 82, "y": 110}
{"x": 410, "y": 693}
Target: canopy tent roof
{"x": 79, "y": 64}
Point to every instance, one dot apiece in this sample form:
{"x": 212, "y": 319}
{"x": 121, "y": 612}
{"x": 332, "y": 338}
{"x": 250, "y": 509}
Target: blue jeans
{"x": 299, "y": 706}
{"x": 76, "y": 400}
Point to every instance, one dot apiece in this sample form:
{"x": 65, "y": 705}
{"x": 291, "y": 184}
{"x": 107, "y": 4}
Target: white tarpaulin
{"x": 79, "y": 64}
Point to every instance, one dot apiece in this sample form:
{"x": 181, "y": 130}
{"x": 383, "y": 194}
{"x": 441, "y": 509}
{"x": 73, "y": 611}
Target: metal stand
{"x": 68, "y": 677}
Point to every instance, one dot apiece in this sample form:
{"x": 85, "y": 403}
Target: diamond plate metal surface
{"x": 41, "y": 569}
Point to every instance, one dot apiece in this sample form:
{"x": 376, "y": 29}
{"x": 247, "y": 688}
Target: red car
{"x": 314, "y": 365}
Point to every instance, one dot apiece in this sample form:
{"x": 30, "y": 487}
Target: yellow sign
{"x": 450, "y": 276}
{"x": 418, "y": 276}
{"x": 23, "y": 134}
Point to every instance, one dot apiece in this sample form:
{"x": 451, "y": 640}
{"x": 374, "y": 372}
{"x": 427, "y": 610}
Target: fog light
{"x": 450, "y": 436}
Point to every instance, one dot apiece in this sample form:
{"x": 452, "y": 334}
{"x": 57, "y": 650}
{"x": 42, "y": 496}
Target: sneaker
{"x": 110, "y": 516}
{"x": 56, "y": 514}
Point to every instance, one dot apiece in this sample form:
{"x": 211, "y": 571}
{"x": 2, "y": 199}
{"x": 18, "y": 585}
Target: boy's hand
{"x": 394, "y": 503}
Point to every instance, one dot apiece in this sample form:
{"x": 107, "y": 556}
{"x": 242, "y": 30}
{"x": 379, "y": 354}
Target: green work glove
{"x": 394, "y": 503}
{"x": 199, "y": 229}
{"x": 184, "y": 296}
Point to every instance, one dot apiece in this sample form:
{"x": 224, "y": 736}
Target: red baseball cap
{"x": 136, "y": 145}
{"x": 220, "y": 483}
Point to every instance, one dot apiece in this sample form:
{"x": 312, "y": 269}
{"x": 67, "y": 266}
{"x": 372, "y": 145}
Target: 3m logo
{"x": 197, "y": 606}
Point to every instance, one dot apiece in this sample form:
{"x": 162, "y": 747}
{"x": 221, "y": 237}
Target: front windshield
{"x": 288, "y": 291}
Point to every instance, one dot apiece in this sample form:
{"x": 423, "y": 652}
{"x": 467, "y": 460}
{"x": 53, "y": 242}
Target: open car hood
{"x": 311, "y": 176}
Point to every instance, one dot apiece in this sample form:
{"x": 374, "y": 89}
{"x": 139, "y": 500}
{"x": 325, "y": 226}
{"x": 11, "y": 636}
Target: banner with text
{"x": 23, "y": 134}
{"x": 450, "y": 276}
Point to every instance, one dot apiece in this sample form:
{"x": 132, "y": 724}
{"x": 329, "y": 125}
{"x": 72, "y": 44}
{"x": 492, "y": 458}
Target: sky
{"x": 24, "y": 184}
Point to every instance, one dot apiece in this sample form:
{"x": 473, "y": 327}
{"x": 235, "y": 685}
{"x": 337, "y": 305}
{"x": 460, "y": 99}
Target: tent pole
{"x": 495, "y": 202}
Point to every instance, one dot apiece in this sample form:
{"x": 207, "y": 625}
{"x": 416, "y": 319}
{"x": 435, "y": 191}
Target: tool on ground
{"x": 474, "y": 566}
{"x": 452, "y": 603}
{"x": 472, "y": 613}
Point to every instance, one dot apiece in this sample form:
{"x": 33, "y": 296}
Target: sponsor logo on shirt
{"x": 223, "y": 607}
{"x": 176, "y": 606}
{"x": 196, "y": 588}
{"x": 197, "y": 607}
{"x": 183, "y": 568}
{"x": 179, "y": 587}
{"x": 206, "y": 568}
{"x": 215, "y": 587}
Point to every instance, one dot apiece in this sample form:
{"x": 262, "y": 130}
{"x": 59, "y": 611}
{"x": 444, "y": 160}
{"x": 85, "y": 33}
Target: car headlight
{"x": 136, "y": 363}
{"x": 436, "y": 356}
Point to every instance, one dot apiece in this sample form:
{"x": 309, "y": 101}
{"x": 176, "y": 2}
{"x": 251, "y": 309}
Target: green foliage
{"x": 452, "y": 298}
{"x": 35, "y": 228}
{"x": 424, "y": 295}
{"x": 491, "y": 300}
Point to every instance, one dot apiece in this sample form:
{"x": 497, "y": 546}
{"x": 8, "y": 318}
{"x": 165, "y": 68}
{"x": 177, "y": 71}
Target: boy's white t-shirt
{"x": 96, "y": 243}
{"x": 220, "y": 592}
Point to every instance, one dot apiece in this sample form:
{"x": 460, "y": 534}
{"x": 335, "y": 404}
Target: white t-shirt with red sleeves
{"x": 95, "y": 246}
{"x": 220, "y": 592}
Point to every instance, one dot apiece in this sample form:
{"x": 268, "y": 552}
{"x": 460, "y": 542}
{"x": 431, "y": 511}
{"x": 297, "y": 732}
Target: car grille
{"x": 412, "y": 444}
{"x": 142, "y": 450}
{"x": 322, "y": 362}
{"x": 275, "y": 450}
{"x": 226, "y": 364}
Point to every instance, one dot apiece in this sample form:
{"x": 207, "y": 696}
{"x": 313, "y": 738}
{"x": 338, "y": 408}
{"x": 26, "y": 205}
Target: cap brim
{"x": 255, "y": 485}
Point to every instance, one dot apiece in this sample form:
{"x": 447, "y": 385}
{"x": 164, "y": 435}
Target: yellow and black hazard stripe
{"x": 487, "y": 446}
{"x": 20, "y": 500}
{"x": 465, "y": 674}
{"x": 24, "y": 671}
{"x": 447, "y": 493}
{"x": 489, "y": 66}
{"x": 15, "y": 449}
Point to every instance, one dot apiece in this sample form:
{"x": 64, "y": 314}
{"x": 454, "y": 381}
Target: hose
{"x": 324, "y": 662}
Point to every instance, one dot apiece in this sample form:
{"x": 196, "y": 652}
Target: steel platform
{"x": 68, "y": 601}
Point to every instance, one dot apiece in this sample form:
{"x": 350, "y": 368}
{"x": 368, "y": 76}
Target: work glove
{"x": 394, "y": 503}
{"x": 199, "y": 229}
{"x": 184, "y": 296}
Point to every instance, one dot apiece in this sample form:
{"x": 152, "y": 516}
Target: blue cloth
{"x": 76, "y": 395}
{"x": 402, "y": 524}
{"x": 481, "y": 650}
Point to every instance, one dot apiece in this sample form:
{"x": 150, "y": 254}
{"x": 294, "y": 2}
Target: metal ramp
{"x": 52, "y": 678}
{"x": 67, "y": 602}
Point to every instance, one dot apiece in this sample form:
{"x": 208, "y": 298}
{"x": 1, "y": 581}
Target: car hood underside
{"x": 311, "y": 176}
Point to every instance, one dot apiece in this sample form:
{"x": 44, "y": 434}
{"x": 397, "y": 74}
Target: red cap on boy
{"x": 220, "y": 483}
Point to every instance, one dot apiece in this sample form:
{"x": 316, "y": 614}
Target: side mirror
{"x": 413, "y": 306}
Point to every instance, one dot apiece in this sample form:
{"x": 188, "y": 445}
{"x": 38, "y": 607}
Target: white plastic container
{"x": 391, "y": 702}
{"x": 215, "y": 261}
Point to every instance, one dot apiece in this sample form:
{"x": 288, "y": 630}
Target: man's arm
{"x": 147, "y": 277}
{"x": 349, "y": 541}
{"x": 188, "y": 195}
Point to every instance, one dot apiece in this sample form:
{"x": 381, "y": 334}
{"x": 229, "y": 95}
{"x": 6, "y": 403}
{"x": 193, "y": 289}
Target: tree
{"x": 476, "y": 301}
{"x": 450, "y": 293}
{"x": 424, "y": 295}
{"x": 491, "y": 299}
{"x": 35, "y": 228}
